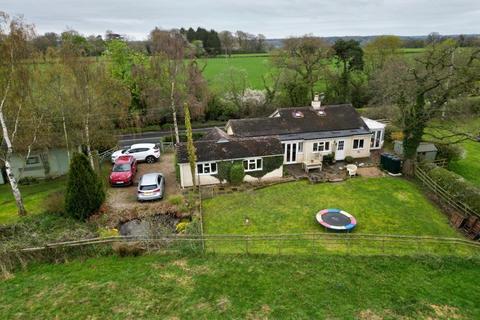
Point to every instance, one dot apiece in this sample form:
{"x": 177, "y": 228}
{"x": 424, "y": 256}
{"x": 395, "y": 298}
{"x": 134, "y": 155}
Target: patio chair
{"x": 352, "y": 170}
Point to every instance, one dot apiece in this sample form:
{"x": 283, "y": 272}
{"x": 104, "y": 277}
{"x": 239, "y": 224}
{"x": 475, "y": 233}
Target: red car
{"x": 123, "y": 171}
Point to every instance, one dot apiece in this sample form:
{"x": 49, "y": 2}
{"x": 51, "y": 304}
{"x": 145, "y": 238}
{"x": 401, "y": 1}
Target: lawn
{"x": 246, "y": 287}
{"x": 34, "y": 196}
{"x": 381, "y": 205}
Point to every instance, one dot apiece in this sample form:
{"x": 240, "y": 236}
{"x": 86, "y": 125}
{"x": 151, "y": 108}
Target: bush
{"x": 449, "y": 152}
{"x": 181, "y": 227}
{"x": 328, "y": 158}
{"x": 237, "y": 173}
{"x": 460, "y": 189}
{"x": 55, "y": 203}
{"x": 176, "y": 200}
{"x": 349, "y": 159}
{"x": 126, "y": 249}
{"x": 85, "y": 193}
{"x": 107, "y": 232}
{"x": 393, "y": 133}
{"x": 28, "y": 180}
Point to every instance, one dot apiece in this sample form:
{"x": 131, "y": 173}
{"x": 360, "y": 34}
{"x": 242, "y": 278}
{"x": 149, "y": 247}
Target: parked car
{"x": 148, "y": 152}
{"x": 151, "y": 187}
{"x": 123, "y": 171}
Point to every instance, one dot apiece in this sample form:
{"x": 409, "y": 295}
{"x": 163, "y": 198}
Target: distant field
{"x": 254, "y": 66}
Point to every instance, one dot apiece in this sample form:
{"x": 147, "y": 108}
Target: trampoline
{"x": 336, "y": 219}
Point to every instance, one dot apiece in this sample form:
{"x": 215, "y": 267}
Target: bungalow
{"x": 40, "y": 164}
{"x": 301, "y": 136}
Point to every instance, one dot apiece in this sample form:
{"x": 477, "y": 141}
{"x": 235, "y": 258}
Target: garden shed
{"x": 425, "y": 151}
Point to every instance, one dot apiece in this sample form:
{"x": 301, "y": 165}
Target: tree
{"x": 306, "y": 56}
{"x": 227, "y": 41}
{"x": 100, "y": 100}
{"x": 192, "y": 156}
{"x": 171, "y": 45}
{"x": 381, "y": 49}
{"x": 122, "y": 63}
{"x": 15, "y": 78}
{"x": 349, "y": 54}
{"x": 423, "y": 88}
{"x": 85, "y": 192}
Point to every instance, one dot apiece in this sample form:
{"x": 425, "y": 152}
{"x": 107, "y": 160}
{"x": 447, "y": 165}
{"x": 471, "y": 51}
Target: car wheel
{"x": 150, "y": 159}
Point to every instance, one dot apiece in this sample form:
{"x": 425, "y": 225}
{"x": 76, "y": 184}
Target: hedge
{"x": 460, "y": 189}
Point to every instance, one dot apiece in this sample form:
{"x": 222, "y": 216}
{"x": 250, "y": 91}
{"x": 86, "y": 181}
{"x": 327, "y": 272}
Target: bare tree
{"x": 306, "y": 56}
{"x": 227, "y": 41}
{"x": 172, "y": 46}
{"x": 14, "y": 85}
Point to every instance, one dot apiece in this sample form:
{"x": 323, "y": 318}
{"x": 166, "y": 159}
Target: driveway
{"x": 124, "y": 198}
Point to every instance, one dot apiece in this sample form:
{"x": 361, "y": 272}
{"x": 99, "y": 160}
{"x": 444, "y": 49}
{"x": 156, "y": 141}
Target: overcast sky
{"x": 273, "y": 18}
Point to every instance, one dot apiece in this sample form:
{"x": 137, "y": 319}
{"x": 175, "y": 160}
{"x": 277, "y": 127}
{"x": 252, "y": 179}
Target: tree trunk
{"x": 14, "y": 185}
{"x": 415, "y": 123}
{"x": 65, "y": 135}
{"x": 174, "y": 112}
{"x": 87, "y": 142}
{"x": 8, "y": 168}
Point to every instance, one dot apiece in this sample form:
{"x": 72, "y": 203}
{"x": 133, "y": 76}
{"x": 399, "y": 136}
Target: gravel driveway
{"x": 121, "y": 198}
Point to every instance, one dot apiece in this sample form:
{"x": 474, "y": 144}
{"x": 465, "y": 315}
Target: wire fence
{"x": 308, "y": 244}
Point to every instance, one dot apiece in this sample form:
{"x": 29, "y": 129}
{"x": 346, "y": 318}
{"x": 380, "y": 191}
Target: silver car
{"x": 151, "y": 187}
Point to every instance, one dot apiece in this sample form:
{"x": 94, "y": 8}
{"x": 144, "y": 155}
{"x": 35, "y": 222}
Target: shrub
{"x": 181, "y": 227}
{"x": 224, "y": 170}
{"x": 328, "y": 158}
{"x": 349, "y": 159}
{"x": 237, "y": 173}
{"x": 107, "y": 232}
{"x": 55, "y": 203}
{"x": 28, "y": 180}
{"x": 449, "y": 152}
{"x": 125, "y": 249}
{"x": 393, "y": 133}
{"x": 460, "y": 189}
{"x": 85, "y": 193}
{"x": 176, "y": 200}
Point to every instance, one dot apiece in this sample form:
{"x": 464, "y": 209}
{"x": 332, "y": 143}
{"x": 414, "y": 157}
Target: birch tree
{"x": 171, "y": 45}
{"x": 15, "y": 35}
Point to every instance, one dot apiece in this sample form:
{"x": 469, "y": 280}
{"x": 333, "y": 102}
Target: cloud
{"x": 274, "y": 18}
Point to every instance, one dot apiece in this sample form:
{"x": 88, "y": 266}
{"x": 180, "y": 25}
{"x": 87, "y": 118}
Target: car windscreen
{"x": 148, "y": 187}
{"x": 123, "y": 167}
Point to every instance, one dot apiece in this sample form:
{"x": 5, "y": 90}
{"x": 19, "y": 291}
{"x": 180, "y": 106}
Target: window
{"x": 300, "y": 147}
{"x": 358, "y": 144}
{"x": 321, "y": 146}
{"x": 33, "y": 160}
{"x": 207, "y": 168}
{"x": 340, "y": 145}
{"x": 255, "y": 164}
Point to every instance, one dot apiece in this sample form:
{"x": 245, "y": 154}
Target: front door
{"x": 289, "y": 152}
{"x": 340, "y": 151}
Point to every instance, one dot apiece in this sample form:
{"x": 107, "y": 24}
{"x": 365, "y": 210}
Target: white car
{"x": 148, "y": 152}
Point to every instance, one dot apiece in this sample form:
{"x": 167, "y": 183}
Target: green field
{"x": 246, "y": 287}
{"x": 33, "y": 195}
{"x": 254, "y": 67}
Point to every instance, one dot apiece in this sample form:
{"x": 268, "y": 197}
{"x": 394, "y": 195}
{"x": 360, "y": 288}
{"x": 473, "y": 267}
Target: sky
{"x": 273, "y": 18}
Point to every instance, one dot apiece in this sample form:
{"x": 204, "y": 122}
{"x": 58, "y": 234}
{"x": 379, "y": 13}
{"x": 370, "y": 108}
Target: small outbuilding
{"x": 426, "y": 151}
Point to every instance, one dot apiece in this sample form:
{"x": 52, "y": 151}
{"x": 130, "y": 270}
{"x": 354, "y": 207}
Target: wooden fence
{"x": 442, "y": 194}
{"x": 309, "y": 243}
